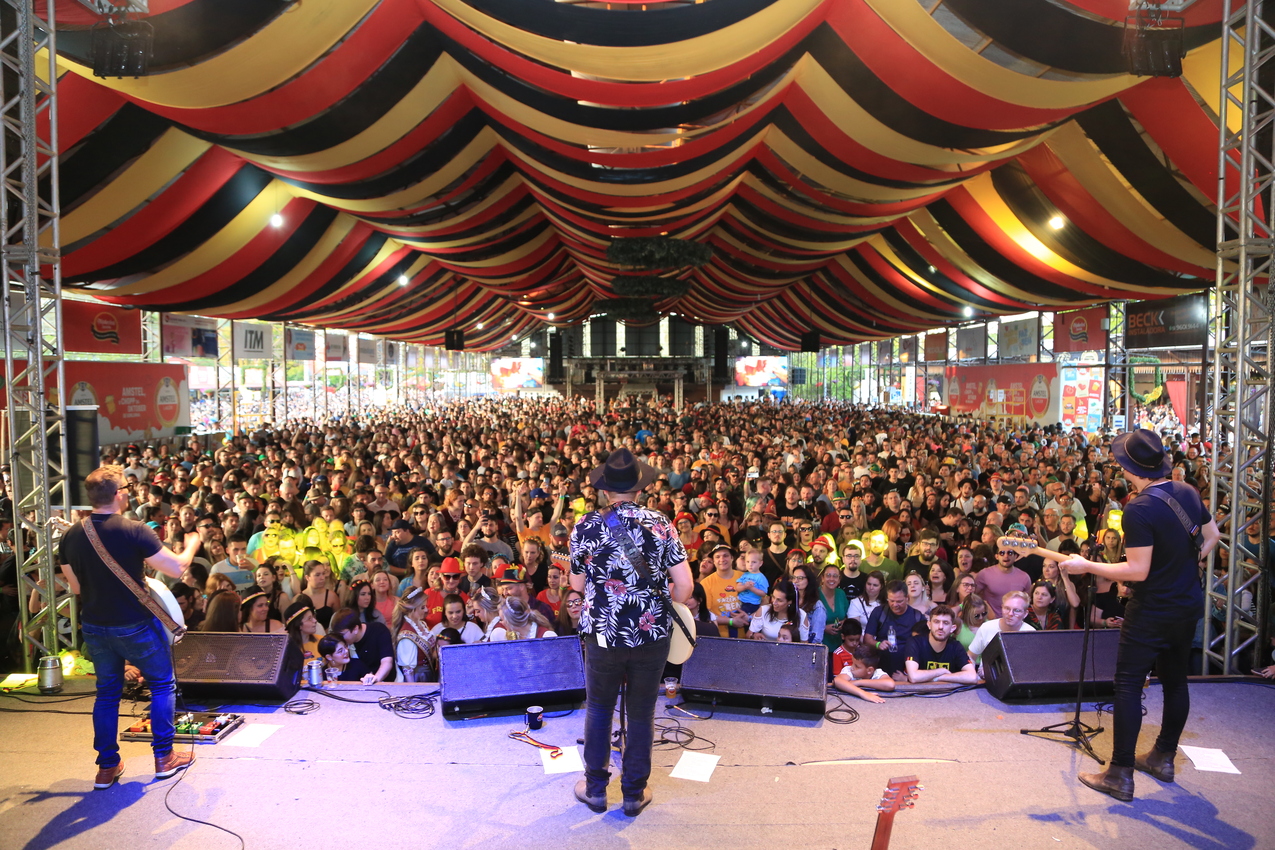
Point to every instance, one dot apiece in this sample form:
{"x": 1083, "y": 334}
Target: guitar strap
{"x": 143, "y": 595}
{"x": 1192, "y": 528}
{"x": 638, "y": 560}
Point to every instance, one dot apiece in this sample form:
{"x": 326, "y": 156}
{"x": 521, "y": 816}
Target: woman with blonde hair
{"x": 518, "y": 621}
{"x": 413, "y": 642}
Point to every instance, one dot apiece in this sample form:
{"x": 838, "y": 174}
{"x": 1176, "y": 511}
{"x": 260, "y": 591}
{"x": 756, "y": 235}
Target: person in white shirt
{"x": 1014, "y": 608}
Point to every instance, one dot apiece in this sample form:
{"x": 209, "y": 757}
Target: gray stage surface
{"x": 357, "y": 776}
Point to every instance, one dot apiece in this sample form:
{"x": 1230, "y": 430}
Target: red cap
{"x": 451, "y": 566}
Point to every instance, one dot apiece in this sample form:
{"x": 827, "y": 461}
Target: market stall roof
{"x": 865, "y": 168}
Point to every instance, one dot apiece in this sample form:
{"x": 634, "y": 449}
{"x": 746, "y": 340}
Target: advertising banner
{"x": 1082, "y": 397}
{"x": 936, "y": 346}
{"x": 135, "y": 401}
{"x": 971, "y": 343}
{"x": 336, "y": 347}
{"x": 1028, "y": 391}
{"x": 1018, "y": 339}
{"x": 94, "y": 328}
{"x": 367, "y": 352}
{"x": 517, "y": 373}
{"x": 188, "y": 336}
{"x": 298, "y": 344}
{"x": 1081, "y": 330}
{"x": 907, "y": 349}
{"x": 253, "y": 341}
{"x": 1172, "y": 322}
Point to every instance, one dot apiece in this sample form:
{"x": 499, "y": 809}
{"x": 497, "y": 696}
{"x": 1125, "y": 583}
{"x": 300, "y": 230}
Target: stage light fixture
{"x": 1153, "y": 43}
{"x": 121, "y": 48}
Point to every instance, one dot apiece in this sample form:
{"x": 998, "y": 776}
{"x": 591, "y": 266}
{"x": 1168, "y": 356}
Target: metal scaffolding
{"x": 1235, "y": 633}
{"x": 1119, "y": 375}
{"x": 30, "y": 261}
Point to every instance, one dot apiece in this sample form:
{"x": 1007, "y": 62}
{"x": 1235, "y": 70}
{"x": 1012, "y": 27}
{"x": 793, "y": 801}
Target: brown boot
{"x": 1115, "y": 780}
{"x": 1156, "y": 763}
{"x": 172, "y": 763}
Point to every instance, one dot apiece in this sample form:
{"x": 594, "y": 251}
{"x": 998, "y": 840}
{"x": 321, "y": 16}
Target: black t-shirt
{"x": 1172, "y": 586}
{"x": 953, "y": 657}
{"x": 854, "y": 587}
{"x": 368, "y": 652}
{"x": 104, "y": 600}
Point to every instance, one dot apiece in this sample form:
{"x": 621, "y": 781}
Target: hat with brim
{"x": 622, "y": 473}
{"x": 1141, "y": 453}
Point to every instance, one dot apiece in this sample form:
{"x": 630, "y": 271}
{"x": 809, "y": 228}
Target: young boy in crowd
{"x": 864, "y": 674}
{"x": 851, "y": 634}
{"x": 752, "y": 585}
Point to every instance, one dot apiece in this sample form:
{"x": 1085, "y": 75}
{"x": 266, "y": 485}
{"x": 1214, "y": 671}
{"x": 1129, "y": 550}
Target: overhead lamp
{"x": 402, "y": 280}
{"x": 276, "y": 220}
{"x": 1057, "y": 222}
{"x": 480, "y": 326}
{"x": 551, "y": 317}
{"x": 969, "y": 311}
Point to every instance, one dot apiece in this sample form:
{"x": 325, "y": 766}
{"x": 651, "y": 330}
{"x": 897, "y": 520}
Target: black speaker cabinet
{"x": 721, "y": 354}
{"x": 227, "y": 666}
{"x": 810, "y": 342}
{"x": 454, "y": 339}
{"x": 1026, "y": 665}
{"x": 556, "y": 375}
{"x": 83, "y": 452}
{"x": 478, "y": 677}
{"x": 757, "y": 674}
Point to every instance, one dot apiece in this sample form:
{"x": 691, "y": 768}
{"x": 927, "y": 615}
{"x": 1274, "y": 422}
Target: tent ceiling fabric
{"x": 865, "y": 168}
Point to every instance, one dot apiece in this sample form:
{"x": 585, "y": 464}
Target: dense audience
{"x": 874, "y": 531}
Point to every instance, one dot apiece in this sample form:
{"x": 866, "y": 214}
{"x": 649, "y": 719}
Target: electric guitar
{"x": 1028, "y": 546}
{"x": 900, "y": 793}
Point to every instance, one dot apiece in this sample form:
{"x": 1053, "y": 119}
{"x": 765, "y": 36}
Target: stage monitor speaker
{"x": 721, "y": 349}
{"x": 479, "y": 677}
{"x": 757, "y": 674}
{"x": 556, "y": 375}
{"x": 810, "y": 342}
{"x": 454, "y": 339}
{"x": 227, "y": 666}
{"x": 1026, "y": 665}
{"x": 83, "y": 452}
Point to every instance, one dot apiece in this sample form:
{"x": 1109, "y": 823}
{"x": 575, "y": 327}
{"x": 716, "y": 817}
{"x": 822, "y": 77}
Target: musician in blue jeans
{"x": 626, "y": 624}
{"x": 1162, "y": 558}
{"x": 117, "y": 627}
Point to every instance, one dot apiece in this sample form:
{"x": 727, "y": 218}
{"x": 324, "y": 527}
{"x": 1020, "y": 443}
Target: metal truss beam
{"x": 1235, "y": 627}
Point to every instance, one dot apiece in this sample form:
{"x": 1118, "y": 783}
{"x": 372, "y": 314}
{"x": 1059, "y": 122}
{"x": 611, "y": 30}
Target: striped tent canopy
{"x": 866, "y": 168}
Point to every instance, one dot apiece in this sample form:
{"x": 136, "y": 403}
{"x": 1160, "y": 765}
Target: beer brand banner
{"x": 94, "y": 328}
{"x": 1082, "y": 397}
{"x": 907, "y": 349}
{"x": 135, "y": 401}
{"x": 971, "y": 343}
{"x": 367, "y": 352}
{"x": 1081, "y": 330}
{"x": 253, "y": 341}
{"x": 336, "y": 347}
{"x": 298, "y": 343}
{"x": 1172, "y": 322}
{"x": 1018, "y": 339}
{"x": 188, "y": 336}
{"x": 936, "y": 346}
{"x": 1027, "y": 391}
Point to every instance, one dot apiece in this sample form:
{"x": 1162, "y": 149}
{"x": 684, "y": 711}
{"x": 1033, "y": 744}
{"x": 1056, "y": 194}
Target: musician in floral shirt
{"x": 625, "y": 623}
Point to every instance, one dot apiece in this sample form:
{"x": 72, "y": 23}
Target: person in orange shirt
{"x": 722, "y": 591}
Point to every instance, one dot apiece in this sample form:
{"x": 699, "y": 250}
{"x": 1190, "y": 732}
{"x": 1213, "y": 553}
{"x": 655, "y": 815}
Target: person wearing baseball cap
{"x": 626, "y": 622}
{"x": 450, "y": 573}
{"x": 1168, "y": 531}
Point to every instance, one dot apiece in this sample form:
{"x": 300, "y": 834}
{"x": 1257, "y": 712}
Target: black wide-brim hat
{"x": 622, "y": 473}
{"x": 1142, "y": 453}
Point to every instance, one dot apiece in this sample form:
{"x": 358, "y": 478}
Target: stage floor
{"x": 358, "y": 776}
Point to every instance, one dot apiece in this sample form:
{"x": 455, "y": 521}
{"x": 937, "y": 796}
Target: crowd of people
{"x": 372, "y": 541}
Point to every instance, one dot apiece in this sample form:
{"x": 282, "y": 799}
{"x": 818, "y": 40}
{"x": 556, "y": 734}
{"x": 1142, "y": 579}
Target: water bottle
{"x": 890, "y": 639}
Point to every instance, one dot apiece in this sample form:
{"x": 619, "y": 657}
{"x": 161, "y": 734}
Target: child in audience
{"x": 842, "y": 656}
{"x": 864, "y": 674}
{"x": 752, "y": 585}
{"x": 788, "y": 634}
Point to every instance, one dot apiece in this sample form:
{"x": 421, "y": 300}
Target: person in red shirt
{"x": 450, "y": 573}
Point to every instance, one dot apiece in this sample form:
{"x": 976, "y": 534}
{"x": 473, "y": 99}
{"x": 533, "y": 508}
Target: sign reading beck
{"x": 1181, "y": 321}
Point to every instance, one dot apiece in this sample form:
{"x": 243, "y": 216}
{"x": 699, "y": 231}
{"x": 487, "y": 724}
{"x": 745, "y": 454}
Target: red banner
{"x": 1022, "y": 391}
{"x": 94, "y": 328}
{"x": 936, "y": 347}
{"x": 1081, "y": 330}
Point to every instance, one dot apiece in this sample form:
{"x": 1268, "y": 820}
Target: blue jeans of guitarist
{"x": 145, "y": 645}
{"x": 604, "y": 671}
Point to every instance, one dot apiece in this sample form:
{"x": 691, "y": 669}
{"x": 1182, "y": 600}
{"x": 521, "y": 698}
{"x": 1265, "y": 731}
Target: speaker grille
{"x": 1024, "y": 665}
{"x": 479, "y": 676}
{"x": 216, "y": 657}
{"x": 757, "y": 673}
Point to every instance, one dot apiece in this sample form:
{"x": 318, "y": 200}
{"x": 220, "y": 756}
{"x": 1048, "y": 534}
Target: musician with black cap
{"x": 1168, "y": 532}
{"x": 623, "y": 559}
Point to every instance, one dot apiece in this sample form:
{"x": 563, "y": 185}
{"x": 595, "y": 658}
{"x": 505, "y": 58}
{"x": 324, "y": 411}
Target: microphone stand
{"x": 1077, "y": 730}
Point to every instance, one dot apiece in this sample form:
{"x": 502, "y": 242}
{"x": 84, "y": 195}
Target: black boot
{"x": 1115, "y": 780}
{"x": 1156, "y": 763}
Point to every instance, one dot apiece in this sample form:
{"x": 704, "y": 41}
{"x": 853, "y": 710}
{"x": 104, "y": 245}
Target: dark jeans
{"x": 1148, "y": 641}
{"x": 146, "y": 646}
{"x": 605, "y": 670}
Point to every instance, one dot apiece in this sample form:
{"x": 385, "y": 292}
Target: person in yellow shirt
{"x": 722, "y": 591}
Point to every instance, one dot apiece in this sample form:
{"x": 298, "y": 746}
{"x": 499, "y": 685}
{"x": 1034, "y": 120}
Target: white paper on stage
{"x": 252, "y": 735}
{"x": 568, "y": 762}
{"x": 698, "y": 767}
{"x": 1207, "y": 758}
